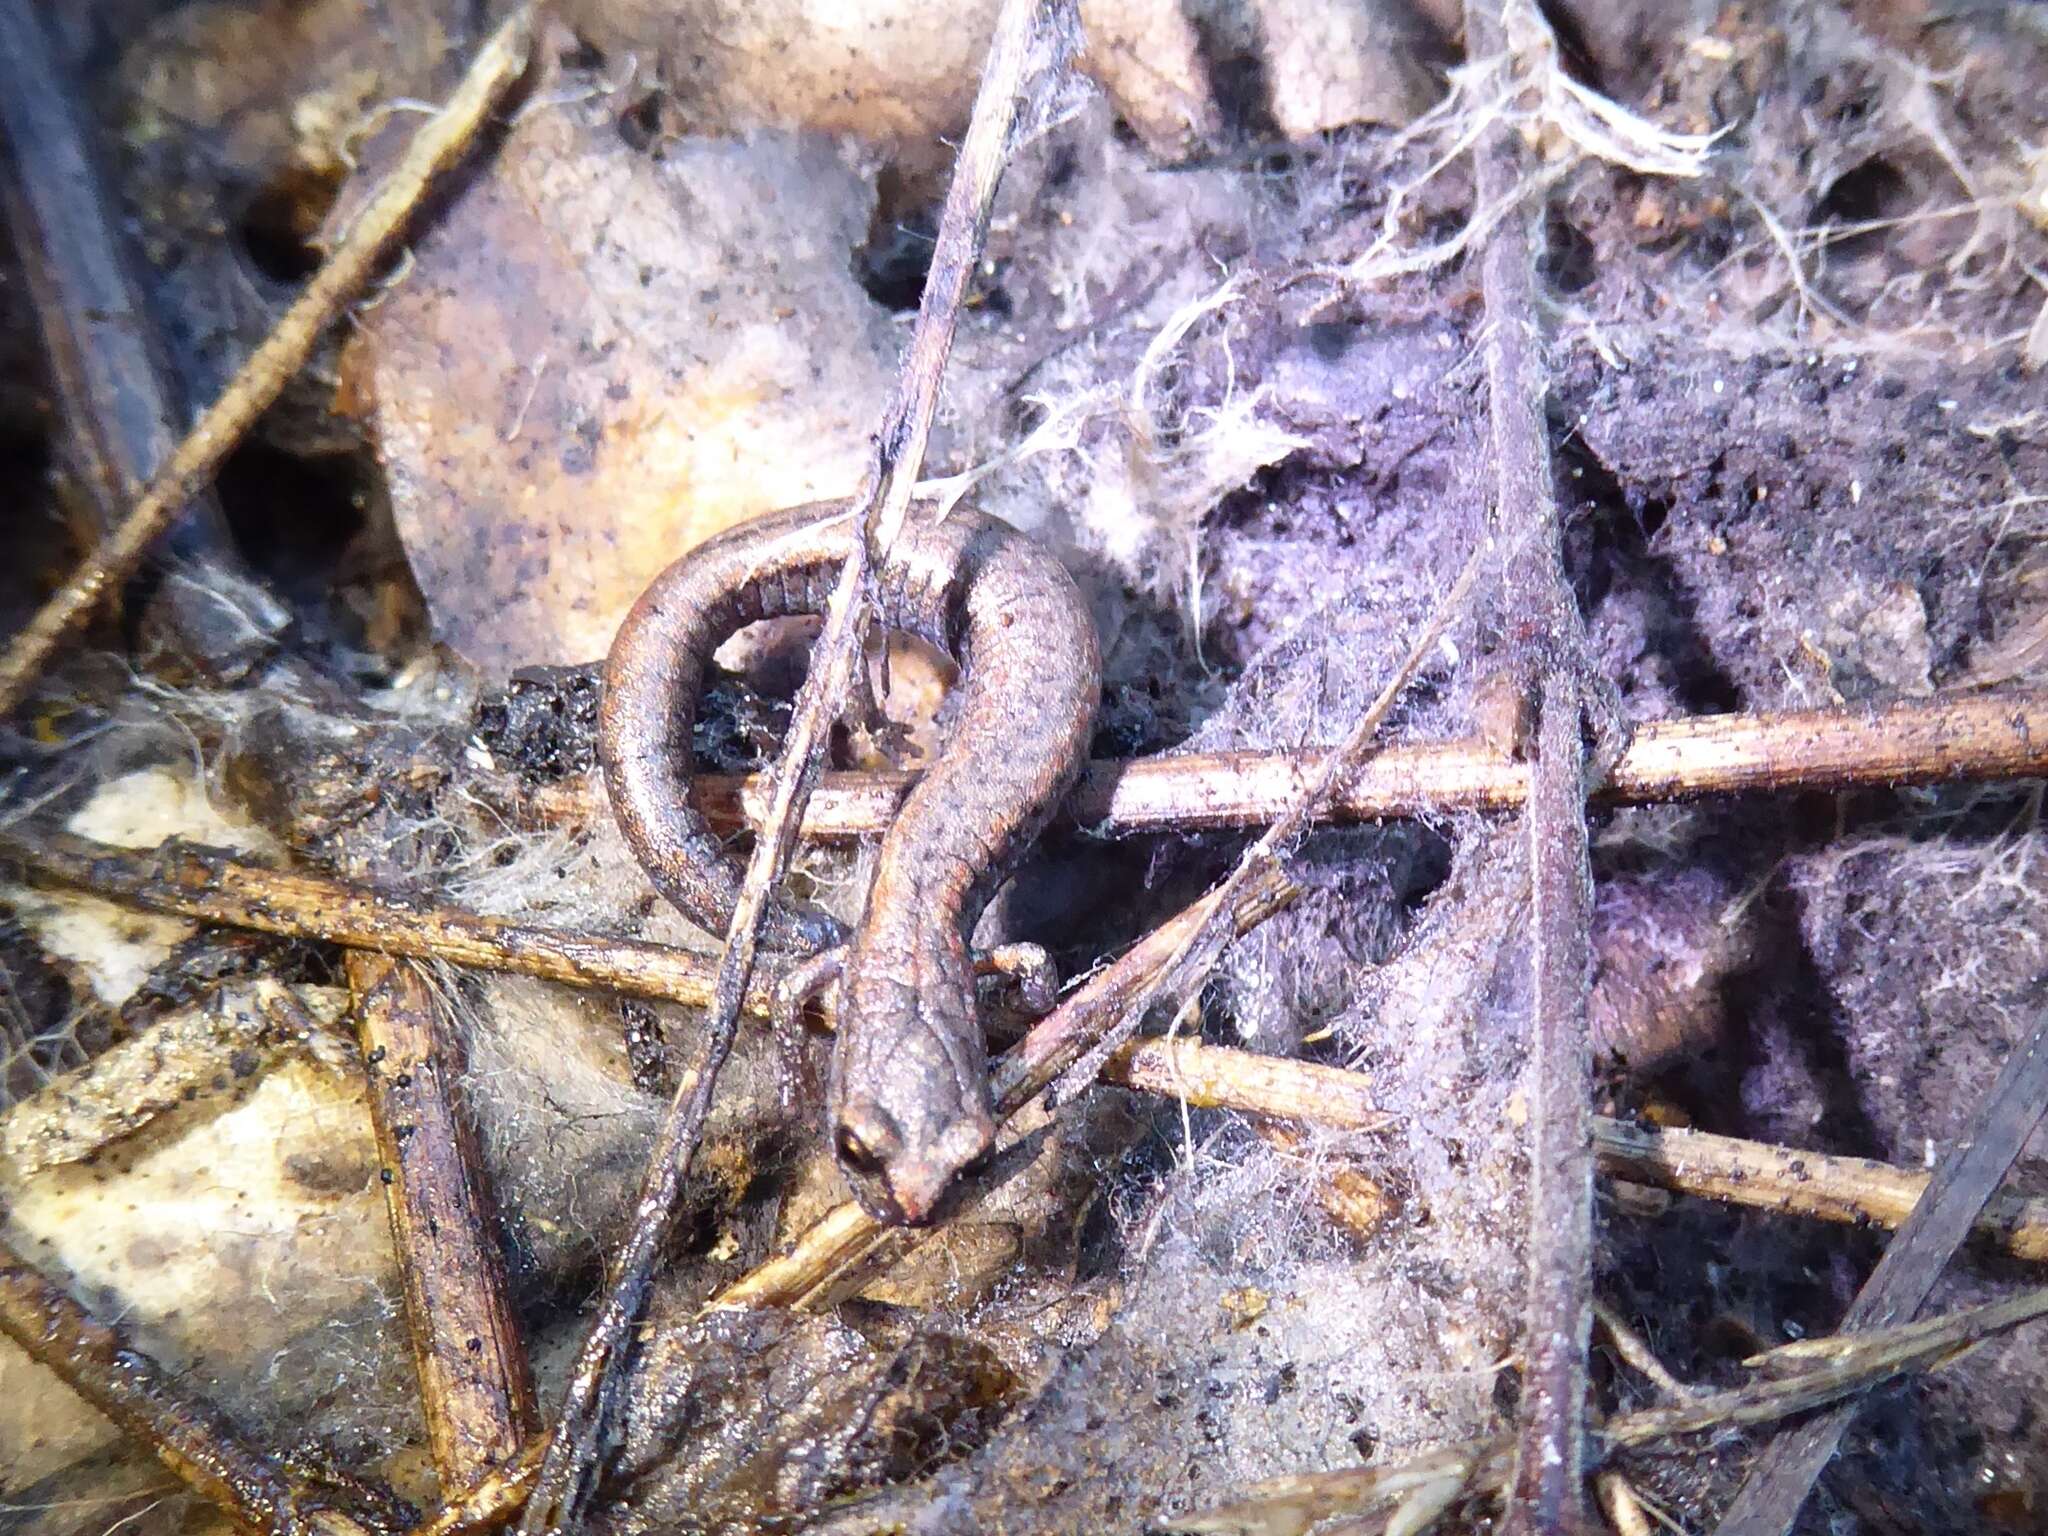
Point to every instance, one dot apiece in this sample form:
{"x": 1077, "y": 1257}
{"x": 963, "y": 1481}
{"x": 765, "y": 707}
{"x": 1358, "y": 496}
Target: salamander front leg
{"x": 1031, "y": 972}
{"x": 793, "y": 993}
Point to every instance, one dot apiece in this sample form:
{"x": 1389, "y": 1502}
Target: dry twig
{"x": 1852, "y": 1190}
{"x": 475, "y": 1385}
{"x": 1979, "y": 736}
{"x": 1548, "y": 1494}
{"x": 211, "y": 887}
{"x": 1635, "y": 1350}
{"x": 114, "y": 395}
{"x": 440, "y": 141}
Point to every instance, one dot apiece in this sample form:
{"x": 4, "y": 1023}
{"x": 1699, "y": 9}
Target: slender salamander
{"x": 908, "y": 1095}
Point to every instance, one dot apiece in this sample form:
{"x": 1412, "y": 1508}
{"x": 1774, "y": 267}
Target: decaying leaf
{"x": 1332, "y": 62}
{"x": 1147, "y": 56}
{"x": 601, "y": 355}
{"x": 184, "y": 1234}
{"x": 749, "y": 1421}
{"x": 899, "y": 74}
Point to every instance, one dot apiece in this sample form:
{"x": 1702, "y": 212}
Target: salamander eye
{"x": 857, "y": 1154}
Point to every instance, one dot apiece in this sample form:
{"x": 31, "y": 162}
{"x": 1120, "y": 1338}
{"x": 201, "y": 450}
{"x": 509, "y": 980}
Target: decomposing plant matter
{"x": 1958, "y": 1190}
{"x": 1849, "y": 1364}
{"x": 198, "y": 457}
{"x": 1564, "y": 526}
{"x": 188, "y": 1434}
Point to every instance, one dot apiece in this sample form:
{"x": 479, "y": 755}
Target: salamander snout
{"x": 901, "y": 1179}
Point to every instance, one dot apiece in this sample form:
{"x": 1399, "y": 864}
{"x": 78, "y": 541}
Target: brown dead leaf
{"x": 900, "y": 74}
{"x": 1146, "y": 55}
{"x": 893, "y": 73}
{"x": 1332, "y": 62}
{"x": 601, "y": 356}
{"x": 255, "y": 89}
{"x": 897, "y": 74}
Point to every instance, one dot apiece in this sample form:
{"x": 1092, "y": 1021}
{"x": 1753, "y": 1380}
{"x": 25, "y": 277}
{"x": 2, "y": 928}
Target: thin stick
{"x": 1978, "y": 736}
{"x": 1023, "y": 41}
{"x": 826, "y": 1249}
{"x": 1852, "y": 1363}
{"x": 1205, "y": 1076}
{"x": 1621, "y": 1505}
{"x": 185, "y": 1431}
{"x": 1852, "y": 1190}
{"x": 1780, "y": 1479}
{"x": 440, "y": 141}
{"x": 1549, "y": 1494}
{"x": 116, "y": 400}
{"x": 212, "y": 887}
{"x": 1548, "y": 1490}
{"x": 476, "y": 1387}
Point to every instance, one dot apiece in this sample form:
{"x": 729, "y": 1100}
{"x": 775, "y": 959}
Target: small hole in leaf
{"x": 1872, "y": 191}
{"x": 281, "y": 222}
{"x": 640, "y": 124}
{"x": 1568, "y": 259}
{"x": 894, "y": 263}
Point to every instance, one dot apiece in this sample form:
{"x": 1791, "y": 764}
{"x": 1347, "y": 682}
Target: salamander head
{"x": 909, "y": 1099}
{"x": 895, "y": 1180}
